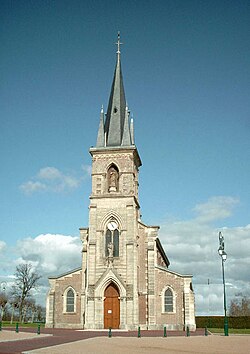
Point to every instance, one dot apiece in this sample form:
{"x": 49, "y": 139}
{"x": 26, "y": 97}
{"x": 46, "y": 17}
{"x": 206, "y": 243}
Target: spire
{"x": 100, "y": 137}
{"x": 126, "y": 139}
{"x": 132, "y": 131}
{"x": 116, "y": 129}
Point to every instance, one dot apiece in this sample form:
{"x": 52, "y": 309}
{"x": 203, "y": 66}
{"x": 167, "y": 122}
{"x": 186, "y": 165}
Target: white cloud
{"x": 51, "y": 179}
{"x": 3, "y": 256}
{"x": 2, "y": 245}
{"x": 216, "y": 208}
{"x": 31, "y": 187}
{"x": 51, "y": 254}
{"x": 192, "y": 245}
{"x": 87, "y": 169}
{"x": 49, "y": 173}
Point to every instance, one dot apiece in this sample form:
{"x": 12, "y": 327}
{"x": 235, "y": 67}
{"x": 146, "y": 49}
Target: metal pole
{"x": 225, "y": 305}
{"x": 223, "y": 256}
{"x": 165, "y": 331}
{"x": 139, "y": 332}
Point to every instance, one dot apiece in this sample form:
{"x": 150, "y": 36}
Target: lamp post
{"x": 223, "y": 256}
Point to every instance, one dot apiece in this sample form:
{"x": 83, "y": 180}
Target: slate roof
{"x": 115, "y": 130}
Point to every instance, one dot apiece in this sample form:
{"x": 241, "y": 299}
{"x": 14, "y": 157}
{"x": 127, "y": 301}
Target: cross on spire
{"x": 118, "y": 43}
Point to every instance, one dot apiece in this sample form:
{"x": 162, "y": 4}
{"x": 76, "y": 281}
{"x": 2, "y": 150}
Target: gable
{"x": 162, "y": 259}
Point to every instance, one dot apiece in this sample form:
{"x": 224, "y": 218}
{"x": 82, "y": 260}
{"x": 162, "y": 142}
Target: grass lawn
{"x": 230, "y": 330}
{"x": 20, "y": 325}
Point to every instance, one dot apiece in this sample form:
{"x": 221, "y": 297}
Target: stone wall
{"x": 57, "y": 301}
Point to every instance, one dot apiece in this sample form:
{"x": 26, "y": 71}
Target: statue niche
{"x": 113, "y": 176}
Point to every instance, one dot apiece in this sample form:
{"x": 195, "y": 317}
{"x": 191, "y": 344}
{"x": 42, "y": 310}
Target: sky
{"x": 186, "y": 72}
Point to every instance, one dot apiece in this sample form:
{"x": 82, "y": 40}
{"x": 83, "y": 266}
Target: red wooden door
{"x": 111, "y": 307}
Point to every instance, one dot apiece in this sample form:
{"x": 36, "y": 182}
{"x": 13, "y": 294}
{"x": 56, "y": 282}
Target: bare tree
{"x": 25, "y": 281}
{"x": 29, "y": 309}
{"x": 240, "y": 307}
{"x": 3, "y": 302}
{"x": 14, "y": 303}
{"x": 40, "y": 313}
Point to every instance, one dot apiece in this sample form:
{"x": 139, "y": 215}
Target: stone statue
{"x": 110, "y": 249}
{"x": 113, "y": 180}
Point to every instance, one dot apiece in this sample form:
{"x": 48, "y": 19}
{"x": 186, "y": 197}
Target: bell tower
{"x": 113, "y": 211}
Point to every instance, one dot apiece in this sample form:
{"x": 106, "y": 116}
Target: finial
{"x": 118, "y": 43}
{"x": 102, "y": 109}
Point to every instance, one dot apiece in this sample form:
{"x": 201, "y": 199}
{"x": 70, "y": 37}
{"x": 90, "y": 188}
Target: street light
{"x": 223, "y": 256}
{"x": 3, "y": 285}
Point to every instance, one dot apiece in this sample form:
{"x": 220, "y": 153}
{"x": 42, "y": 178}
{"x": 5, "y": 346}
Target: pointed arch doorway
{"x": 111, "y": 307}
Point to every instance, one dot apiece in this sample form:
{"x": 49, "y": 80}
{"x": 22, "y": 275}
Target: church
{"x": 124, "y": 280}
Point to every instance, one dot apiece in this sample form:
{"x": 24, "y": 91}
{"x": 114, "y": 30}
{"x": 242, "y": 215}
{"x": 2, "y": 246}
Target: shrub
{"x": 218, "y": 322}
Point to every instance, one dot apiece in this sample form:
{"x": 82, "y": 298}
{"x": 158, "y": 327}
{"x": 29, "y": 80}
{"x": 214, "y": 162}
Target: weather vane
{"x": 118, "y": 43}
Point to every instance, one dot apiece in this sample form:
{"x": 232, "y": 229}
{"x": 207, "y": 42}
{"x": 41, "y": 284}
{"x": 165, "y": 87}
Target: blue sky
{"x": 186, "y": 73}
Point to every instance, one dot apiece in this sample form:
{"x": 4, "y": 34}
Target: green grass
{"x": 230, "y": 330}
{"x": 20, "y": 325}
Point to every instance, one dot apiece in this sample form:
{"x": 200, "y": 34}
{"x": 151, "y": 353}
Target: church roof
{"x": 66, "y": 273}
{"x": 162, "y": 252}
{"x": 116, "y": 129}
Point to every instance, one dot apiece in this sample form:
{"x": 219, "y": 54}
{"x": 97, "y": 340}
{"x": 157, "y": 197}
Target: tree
{"x": 25, "y": 281}
{"x": 29, "y": 309}
{"x": 40, "y": 313}
{"x": 14, "y": 303}
{"x": 3, "y": 302}
{"x": 240, "y": 307}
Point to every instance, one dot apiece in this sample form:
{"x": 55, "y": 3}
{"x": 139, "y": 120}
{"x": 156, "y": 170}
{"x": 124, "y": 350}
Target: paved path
{"x": 64, "y": 341}
{"x": 153, "y": 345}
{"x": 20, "y": 342}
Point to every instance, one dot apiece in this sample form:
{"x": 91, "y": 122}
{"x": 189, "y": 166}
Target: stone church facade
{"x": 124, "y": 280}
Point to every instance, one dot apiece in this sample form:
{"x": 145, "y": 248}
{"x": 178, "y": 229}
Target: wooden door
{"x": 111, "y": 307}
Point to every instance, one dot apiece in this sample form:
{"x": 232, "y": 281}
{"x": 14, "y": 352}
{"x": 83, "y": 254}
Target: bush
{"x": 218, "y": 322}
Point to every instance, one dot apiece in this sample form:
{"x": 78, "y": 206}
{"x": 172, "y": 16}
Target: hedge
{"x": 218, "y": 322}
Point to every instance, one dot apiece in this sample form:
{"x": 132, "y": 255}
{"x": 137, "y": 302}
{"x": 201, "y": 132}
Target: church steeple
{"x": 100, "y": 137}
{"x": 116, "y": 129}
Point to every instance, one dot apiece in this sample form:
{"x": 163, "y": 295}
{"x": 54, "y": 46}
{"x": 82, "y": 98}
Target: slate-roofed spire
{"x": 126, "y": 138}
{"x": 100, "y": 136}
{"x": 116, "y": 129}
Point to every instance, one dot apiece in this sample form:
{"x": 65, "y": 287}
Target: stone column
{"x": 50, "y": 308}
{"x": 189, "y": 305}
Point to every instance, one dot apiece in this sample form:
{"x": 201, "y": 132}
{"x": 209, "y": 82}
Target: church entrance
{"x": 111, "y": 307}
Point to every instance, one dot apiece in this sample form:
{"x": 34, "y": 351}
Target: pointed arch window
{"x": 116, "y": 243}
{"x": 112, "y": 239}
{"x": 168, "y": 300}
{"x": 70, "y": 301}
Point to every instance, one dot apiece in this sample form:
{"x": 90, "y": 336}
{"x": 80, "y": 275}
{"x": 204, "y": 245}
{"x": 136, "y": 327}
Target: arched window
{"x": 108, "y": 241}
{"x": 112, "y": 239}
{"x": 116, "y": 243}
{"x": 70, "y": 301}
{"x": 168, "y": 301}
